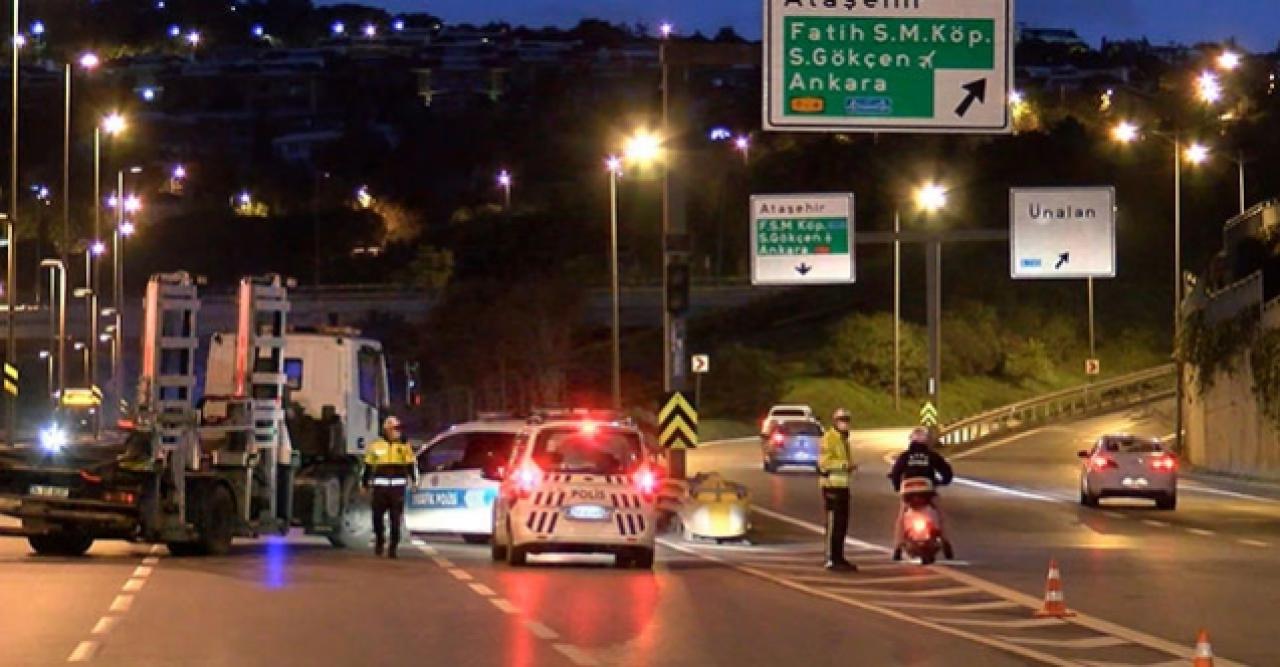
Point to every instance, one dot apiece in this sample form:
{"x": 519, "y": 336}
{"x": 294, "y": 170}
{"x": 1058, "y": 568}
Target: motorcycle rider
{"x": 919, "y": 460}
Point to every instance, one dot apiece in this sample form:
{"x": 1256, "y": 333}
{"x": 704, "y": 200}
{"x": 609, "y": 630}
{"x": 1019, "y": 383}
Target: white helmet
{"x": 921, "y": 436}
{"x": 390, "y": 423}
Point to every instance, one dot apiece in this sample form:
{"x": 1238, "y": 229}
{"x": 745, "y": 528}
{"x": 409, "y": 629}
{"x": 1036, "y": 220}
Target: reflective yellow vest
{"x": 834, "y": 461}
{"x": 390, "y": 464}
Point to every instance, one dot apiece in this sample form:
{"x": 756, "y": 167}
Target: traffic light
{"x": 678, "y": 287}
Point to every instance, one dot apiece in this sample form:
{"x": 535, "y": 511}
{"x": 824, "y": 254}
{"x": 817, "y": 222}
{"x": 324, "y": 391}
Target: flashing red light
{"x": 779, "y": 439}
{"x": 589, "y": 428}
{"x": 646, "y": 481}
{"x": 1164, "y": 463}
{"x": 1100, "y": 462}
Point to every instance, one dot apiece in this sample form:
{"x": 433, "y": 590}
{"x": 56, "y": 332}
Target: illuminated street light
{"x": 338, "y": 28}
{"x": 643, "y": 148}
{"x": 1124, "y": 132}
{"x": 398, "y": 25}
{"x": 132, "y": 204}
{"x": 1209, "y": 88}
{"x": 370, "y": 30}
{"x": 1016, "y": 97}
{"x": 175, "y": 31}
{"x": 258, "y": 31}
{"x": 127, "y": 229}
{"x": 179, "y": 172}
{"x": 114, "y": 124}
{"x": 20, "y": 41}
{"x": 98, "y": 248}
{"x": 1196, "y": 154}
{"x": 1228, "y": 61}
{"x": 89, "y": 61}
{"x": 931, "y": 197}
{"x": 666, "y": 29}
{"x": 613, "y": 164}
{"x": 193, "y": 38}
{"x": 363, "y": 197}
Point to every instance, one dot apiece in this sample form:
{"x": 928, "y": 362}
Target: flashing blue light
{"x": 398, "y": 25}
{"x": 720, "y": 134}
{"x": 148, "y": 94}
{"x": 258, "y": 30}
{"x": 175, "y": 31}
{"x": 37, "y": 28}
{"x": 338, "y": 27}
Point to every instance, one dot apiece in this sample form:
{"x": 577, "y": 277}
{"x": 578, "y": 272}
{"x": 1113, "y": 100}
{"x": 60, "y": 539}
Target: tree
{"x": 861, "y": 349}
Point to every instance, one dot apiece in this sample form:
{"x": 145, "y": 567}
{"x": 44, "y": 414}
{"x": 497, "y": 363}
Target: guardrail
{"x": 1120, "y": 392}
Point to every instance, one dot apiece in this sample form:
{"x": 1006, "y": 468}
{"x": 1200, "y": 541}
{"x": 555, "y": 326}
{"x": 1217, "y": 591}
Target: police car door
{"x": 453, "y": 497}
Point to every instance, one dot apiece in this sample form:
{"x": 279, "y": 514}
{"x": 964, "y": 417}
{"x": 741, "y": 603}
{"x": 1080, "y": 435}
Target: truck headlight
{"x": 52, "y": 439}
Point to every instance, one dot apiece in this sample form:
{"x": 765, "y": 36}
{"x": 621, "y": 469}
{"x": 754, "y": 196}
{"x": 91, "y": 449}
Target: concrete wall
{"x": 1226, "y": 430}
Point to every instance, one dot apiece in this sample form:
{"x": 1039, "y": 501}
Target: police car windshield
{"x": 600, "y": 452}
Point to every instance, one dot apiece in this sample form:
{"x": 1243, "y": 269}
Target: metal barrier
{"x": 1113, "y": 394}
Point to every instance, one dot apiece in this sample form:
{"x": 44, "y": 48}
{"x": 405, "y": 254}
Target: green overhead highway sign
{"x": 888, "y": 65}
{"x": 802, "y": 239}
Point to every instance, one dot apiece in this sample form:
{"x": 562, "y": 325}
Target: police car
{"x": 453, "y": 496}
{"x": 577, "y": 482}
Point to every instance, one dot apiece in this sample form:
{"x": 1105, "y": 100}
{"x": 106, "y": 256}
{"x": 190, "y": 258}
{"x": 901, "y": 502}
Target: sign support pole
{"x": 933, "y": 280}
{"x": 1092, "y": 350}
{"x": 897, "y": 312}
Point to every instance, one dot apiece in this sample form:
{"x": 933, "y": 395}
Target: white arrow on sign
{"x": 701, "y": 363}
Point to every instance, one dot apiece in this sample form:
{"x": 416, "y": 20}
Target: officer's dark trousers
{"x": 388, "y": 499}
{"x": 837, "y": 504}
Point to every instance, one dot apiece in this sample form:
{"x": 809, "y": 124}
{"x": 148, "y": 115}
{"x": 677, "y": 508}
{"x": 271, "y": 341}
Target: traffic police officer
{"x": 835, "y": 466}
{"x": 390, "y": 468}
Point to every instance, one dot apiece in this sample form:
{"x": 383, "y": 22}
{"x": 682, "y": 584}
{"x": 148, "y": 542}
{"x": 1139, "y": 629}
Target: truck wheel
{"x": 219, "y": 523}
{"x": 1167, "y": 502}
{"x": 60, "y": 544}
{"x": 354, "y": 530}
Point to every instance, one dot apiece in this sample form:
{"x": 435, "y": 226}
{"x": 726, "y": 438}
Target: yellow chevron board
{"x": 677, "y": 422}
{"x": 928, "y": 415}
{"x": 10, "y": 379}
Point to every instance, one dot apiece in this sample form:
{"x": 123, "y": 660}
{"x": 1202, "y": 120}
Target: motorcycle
{"x": 921, "y": 524}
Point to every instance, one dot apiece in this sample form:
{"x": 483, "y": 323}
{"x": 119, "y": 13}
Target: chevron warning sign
{"x": 929, "y": 416}
{"x": 677, "y": 422}
{"x": 10, "y": 379}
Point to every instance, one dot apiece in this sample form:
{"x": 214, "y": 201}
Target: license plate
{"x": 50, "y": 491}
{"x": 440, "y": 499}
{"x": 1135, "y": 482}
{"x": 588, "y": 513}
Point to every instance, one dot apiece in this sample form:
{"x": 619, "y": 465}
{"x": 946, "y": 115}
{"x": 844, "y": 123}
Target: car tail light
{"x": 122, "y": 497}
{"x": 646, "y": 481}
{"x": 778, "y": 439}
{"x": 1099, "y": 462}
{"x": 764, "y": 425}
{"x": 1164, "y": 463}
{"x": 526, "y": 479}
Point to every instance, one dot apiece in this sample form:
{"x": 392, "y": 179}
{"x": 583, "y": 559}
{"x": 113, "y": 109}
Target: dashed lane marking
{"x": 872, "y": 581}
{"x": 1201, "y": 532}
{"x": 142, "y": 571}
{"x": 460, "y": 575}
{"x": 994, "y": 605}
{"x": 121, "y": 604}
{"x": 504, "y": 605}
{"x": 1014, "y": 624}
{"x": 1116, "y": 515}
{"x": 442, "y": 562}
{"x": 575, "y": 654}
{"x": 105, "y": 624}
{"x": 84, "y": 651}
{"x": 1155, "y": 524}
{"x": 1016, "y": 493}
{"x": 1255, "y": 543}
{"x": 483, "y": 590}
{"x": 541, "y": 631}
{"x": 134, "y": 585}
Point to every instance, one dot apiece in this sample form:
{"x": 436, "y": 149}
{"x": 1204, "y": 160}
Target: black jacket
{"x": 920, "y": 461}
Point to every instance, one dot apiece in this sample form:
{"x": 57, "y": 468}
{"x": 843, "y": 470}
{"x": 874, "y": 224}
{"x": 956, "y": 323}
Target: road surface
{"x": 1143, "y": 581}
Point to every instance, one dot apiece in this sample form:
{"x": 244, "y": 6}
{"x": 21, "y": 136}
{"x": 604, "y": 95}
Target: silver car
{"x": 1127, "y": 466}
{"x": 795, "y": 442}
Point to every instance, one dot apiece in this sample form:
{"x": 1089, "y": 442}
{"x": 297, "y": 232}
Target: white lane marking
{"x": 730, "y": 441}
{"x": 850, "y": 582}
{"x": 1201, "y": 532}
{"x": 811, "y": 566}
{"x": 937, "y": 606}
{"x": 575, "y": 654}
{"x": 134, "y": 585}
{"x": 879, "y": 609}
{"x": 1022, "y": 599}
{"x": 429, "y": 550}
{"x": 1197, "y": 487}
{"x": 1155, "y": 524}
{"x": 1255, "y": 543}
{"x": 84, "y": 651}
{"x": 483, "y": 590}
{"x": 460, "y": 575}
{"x": 946, "y": 592}
{"x": 151, "y": 560}
{"x": 142, "y": 572}
{"x": 417, "y": 542}
{"x": 541, "y": 631}
{"x": 1116, "y": 515}
{"x": 122, "y": 603}
{"x": 104, "y": 625}
{"x": 1016, "y": 624}
{"x": 999, "y": 443}
{"x": 442, "y": 562}
{"x": 1081, "y": 643}
{"x": 504, "y": 605}
{"x": 1017, "y": 493}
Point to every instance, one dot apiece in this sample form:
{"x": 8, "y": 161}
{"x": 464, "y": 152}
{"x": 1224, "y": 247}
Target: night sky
{"x": 1256, "y": 23}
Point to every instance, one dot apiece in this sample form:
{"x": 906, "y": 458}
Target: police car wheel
{"x": 60, "y": 544}
{"x": 517, "y": 556}
{"x": 497, "y": 551}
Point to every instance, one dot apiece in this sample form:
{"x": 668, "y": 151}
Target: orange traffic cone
{"x": 1204, "y": 651}
{"x": 1055, "y": 603}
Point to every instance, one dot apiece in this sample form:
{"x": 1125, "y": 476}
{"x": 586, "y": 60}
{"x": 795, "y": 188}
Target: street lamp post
{"x": 11, "y": 279}
{"x": 614, "y": 166}
{"x": 58, "y": 273}
{"x": 504, "y": 182}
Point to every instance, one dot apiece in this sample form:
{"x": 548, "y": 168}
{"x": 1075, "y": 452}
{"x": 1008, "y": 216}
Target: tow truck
{"x": 275, "y": 441}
